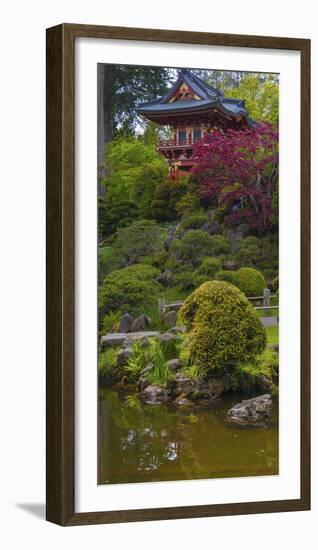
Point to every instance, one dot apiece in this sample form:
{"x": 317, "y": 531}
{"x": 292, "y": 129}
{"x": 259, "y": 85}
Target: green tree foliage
{"x": 166, "y": 196}
{"x": 208, "y": 267}
{"x": 224, "y": 327}
{"x": 249, "y": 251}
{"x": 122, "y": 87}
{"x": 131, "y": 289}
{"x": 137, "y": 241}
{"x": 261, "y": 96}
{"x": 133, "y": 172}
{"x": 196, "y": 244}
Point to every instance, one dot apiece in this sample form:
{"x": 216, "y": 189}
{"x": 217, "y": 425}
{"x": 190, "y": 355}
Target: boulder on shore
{"x": 154, "y": 395}
{"x": 252, "y": 412}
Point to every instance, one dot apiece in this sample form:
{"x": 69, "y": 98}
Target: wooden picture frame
{"x": 60, "y": 419}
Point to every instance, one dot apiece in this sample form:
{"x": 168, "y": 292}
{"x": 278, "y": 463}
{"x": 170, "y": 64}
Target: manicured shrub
{"x": 138, "y": 240}
{"x": 250, "y": 281}
{"x": 111, "y": 216}
{"x": 227, "y": 276}
{"x": 196, "y": 244}
{"x": 209, "y": 266}
{"x": 224, "y": 327}
{"x": 165, "y": 198}
{"x": 188, "y": 204}
{"x": 206, "y": 271}
{"x": 185, "y": 280}
{"x": 249, "y": 252}
{"x": 220, "y": 245}
{"x": 130, "y": 289}
{"x": 194, "y": 221}
{"x": 146, "y": 181}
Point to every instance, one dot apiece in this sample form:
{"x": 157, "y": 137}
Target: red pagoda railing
{"x": 189, "y": 141}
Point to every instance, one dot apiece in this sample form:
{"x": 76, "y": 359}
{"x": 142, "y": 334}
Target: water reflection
{"x": 157, "y": 443}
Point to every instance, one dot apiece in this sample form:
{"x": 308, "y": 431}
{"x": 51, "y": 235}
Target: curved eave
{"x": 172, "y": 112}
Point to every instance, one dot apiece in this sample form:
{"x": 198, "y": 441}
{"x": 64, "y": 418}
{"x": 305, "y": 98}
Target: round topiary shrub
{"x": 224, "y": 327}
{"x": 209, "y": 266}
{"x": 130, "y": 289}
{"x": 250, "y": 281}
{"x": 227, "y": 276}
{"x": 192, "y": 247}
{"x": 194, "y": 221}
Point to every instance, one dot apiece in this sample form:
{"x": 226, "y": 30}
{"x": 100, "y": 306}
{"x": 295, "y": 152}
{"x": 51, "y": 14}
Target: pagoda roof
{"x": 203, "y": 98}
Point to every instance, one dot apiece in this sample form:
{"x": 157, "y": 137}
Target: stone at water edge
{"x": 125, "y": 323}
{"x": 171, "y": 318}
{"x": 252, "y": 412}
{"x": 142, "y": 322}
{"x": 183, "y": 401}
{"x": 154, "y": 395}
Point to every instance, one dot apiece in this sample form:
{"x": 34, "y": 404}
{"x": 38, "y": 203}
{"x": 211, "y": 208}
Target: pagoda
{"x": 192, "y": 109}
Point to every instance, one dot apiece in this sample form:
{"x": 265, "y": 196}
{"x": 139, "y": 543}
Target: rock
{"x": 154, "y": 395}
{"x": 174, "y": 364}
{"x": 124, "y": 339}
{"x": 217, "y": 386}
{"x": 142, "y": 322}
{"x": 182, "y": 401}
{"x": 263, "y": 383}
{"x": 212, "y": 227}
{"x": 112, "y": 339}
{"x": 183, "y": 384}
{"x": 125, "y": 323}
{"x": 252, "y": 412}
{"x": 167, "y": 337}
{"x": 171, "y": 318}
{"x": 230, "y": 265}
{"x": 143, "y": 383}
{"x": 124, "y": 355}
{"x": 147, "y": 369}
{"x": 180, "y": 329}
{"x": 166, "y": 278}
{"x": 198, "y": 389}
{"x": 170, "y": 237}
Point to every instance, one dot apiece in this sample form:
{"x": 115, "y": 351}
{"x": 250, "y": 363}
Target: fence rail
{"x": 266, "y": 298}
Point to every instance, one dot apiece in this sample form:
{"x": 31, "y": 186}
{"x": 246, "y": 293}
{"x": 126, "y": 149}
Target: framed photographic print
{"x": 178, "y": 274}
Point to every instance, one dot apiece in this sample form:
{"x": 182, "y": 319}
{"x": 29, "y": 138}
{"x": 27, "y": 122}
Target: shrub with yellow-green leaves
{"x": 250, "y": 281}
{"x": 223, "y": 326}
{"x": 247, "y": 279}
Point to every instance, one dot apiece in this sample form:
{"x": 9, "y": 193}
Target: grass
{"x": 107, "y": 359}
{"x": 272, "y": 334}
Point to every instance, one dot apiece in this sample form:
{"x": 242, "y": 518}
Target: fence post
{"x": 161, "y": 303}
{"x": 266, "y": 297}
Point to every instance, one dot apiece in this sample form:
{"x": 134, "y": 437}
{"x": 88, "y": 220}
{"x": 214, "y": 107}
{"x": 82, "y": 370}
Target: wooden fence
{"x": 265, "y": 299}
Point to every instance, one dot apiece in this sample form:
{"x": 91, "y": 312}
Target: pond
{"x": 139, "y": 443}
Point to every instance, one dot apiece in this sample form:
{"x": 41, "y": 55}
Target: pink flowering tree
{"x": 237, "y": 171}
